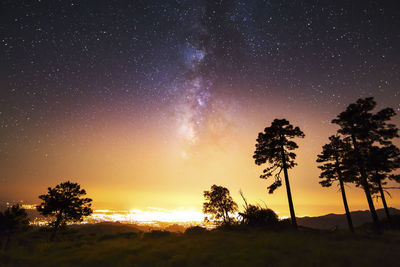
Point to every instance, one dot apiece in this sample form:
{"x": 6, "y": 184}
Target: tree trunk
{"x": 365, "y": 185}
{"x": 374, "y": 215}
{"x": 346, "y": 207}
{"x": 289, "y": 194}
{"x": 56, "y": 226}
{"x": 227, "y": 217}
{"x": 384, "y": 200}
{"x": 53, "y": 234}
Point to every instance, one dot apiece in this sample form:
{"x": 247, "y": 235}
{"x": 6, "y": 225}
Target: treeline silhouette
{"x": 361, "y": 152}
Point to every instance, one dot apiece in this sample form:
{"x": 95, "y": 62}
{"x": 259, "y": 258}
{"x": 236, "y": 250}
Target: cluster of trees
{"x": 220, "y": 206}
{"x": 361, "y": 153}
{"x": 64, "y": 203}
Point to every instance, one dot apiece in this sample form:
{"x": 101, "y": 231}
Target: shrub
{"x": 254, "y": 215}
{"x": 13, "y": 220}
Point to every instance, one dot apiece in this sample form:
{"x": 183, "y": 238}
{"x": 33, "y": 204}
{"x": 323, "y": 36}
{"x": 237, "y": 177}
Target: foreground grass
{"x": 107, "y": 247}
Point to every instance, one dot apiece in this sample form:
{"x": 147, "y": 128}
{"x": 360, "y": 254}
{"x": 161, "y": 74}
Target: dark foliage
{"x": 358, "y": 122}
{"x": 270, "y": 144}
{"x": 274, "y": 147}
{"x": 65, "y": 203}
{"x": 337, "y": 166}
{"x": 219, "y": 204}
{"x": 335, "y": 162}
{"x": 365, "y": 128}
{"x": 381, "y": 163}
{"x": 254, "y": 215}
{"x": 13, "y": 220}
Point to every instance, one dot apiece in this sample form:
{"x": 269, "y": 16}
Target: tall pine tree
{"x": 337, "y": 167}
{"x": 365, "y": 128}
{"x": 382, "y": 161}
{"x": 275, "y": 148}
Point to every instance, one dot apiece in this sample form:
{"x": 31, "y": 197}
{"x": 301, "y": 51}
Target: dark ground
{"x": 123, "y": 245}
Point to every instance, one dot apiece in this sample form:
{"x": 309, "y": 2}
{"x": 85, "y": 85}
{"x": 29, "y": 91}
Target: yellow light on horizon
{"x": 136, "y": 215}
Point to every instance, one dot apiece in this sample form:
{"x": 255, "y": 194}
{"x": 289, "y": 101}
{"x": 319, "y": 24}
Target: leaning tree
{"x": 219, "y": 203}
{"x": 365, "y": 128}
{"x": 381, "y": 163}
{"x": 66, "y": 204}
{"x": 274, "y": 148}
{"x": 335, "y": 166}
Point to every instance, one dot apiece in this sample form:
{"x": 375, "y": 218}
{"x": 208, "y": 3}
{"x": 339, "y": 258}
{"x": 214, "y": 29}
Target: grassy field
{"x": 113, "y": 245}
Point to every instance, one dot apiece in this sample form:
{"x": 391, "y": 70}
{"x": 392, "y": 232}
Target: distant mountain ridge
{"x": 331, "y": 220}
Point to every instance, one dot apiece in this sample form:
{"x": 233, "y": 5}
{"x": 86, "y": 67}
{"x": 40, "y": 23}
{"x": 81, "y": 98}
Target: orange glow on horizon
{"x": 122, "y": 167}
{"x": 150, "y": 215}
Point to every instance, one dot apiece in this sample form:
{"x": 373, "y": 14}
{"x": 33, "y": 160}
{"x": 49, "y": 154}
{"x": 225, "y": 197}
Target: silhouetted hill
{"x": 331, "y": 220}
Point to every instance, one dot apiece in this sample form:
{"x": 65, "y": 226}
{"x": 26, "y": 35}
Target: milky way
{"x": 60, "y": 57}
{"x": 194, "y": 89}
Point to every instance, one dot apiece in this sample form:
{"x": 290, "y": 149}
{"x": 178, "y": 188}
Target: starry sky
{"x": 148, "y": 103}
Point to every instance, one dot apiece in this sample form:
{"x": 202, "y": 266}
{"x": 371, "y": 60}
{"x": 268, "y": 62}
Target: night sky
{"x": 148, "y": 103}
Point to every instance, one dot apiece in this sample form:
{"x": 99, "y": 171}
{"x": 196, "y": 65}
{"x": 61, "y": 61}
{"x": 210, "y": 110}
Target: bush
{"x": 258, "y": 216}
{"x": 13, "y": 220}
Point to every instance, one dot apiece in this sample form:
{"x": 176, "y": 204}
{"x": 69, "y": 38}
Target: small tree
{"x": 336, "y": 167}
{"x": 274, "y": 148}
{"x": 64, "y": 202}
{"x": 219, "y": 204}
{"x": 365, "y": 128}
{"x": 14, "y": 219}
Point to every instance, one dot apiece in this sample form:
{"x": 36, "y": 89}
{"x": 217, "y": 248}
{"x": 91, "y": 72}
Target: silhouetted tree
{"x": 381, "y": 162}
{"x": 219, "y": 204}
{"x": 365, "y": 128}
{"x": 64, "y": 202}
{"x": 274, "y": 148}
{"x": 337, "y": 167}
{"x": 396, "y": 178}
{"x": 13, "y": 219}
